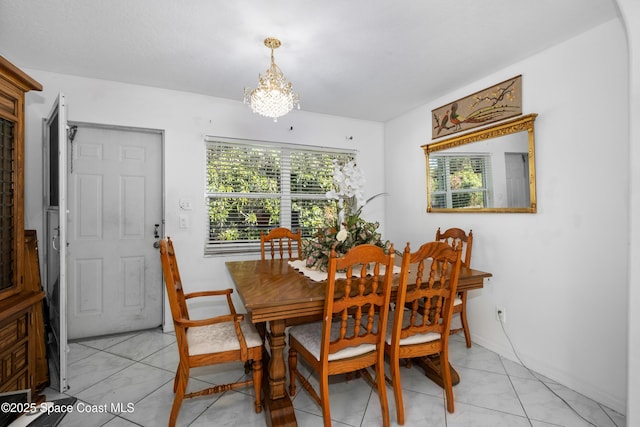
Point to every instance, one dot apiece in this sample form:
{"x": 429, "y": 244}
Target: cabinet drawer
{"x": 13, "y": 331}
{"x": 20, "y": 382}
{"x": 14, "y": 360}
{"x": 14, "y": 351}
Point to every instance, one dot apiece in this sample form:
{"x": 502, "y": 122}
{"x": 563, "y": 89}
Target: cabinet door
{"x": 11, "y": 189}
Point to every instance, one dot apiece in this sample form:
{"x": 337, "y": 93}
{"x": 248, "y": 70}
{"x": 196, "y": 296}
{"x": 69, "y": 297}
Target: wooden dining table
{"x": 279, "y": 295}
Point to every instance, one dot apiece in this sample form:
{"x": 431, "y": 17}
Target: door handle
{"x": 55, "y": 238}
{"x": 156, "y": 235}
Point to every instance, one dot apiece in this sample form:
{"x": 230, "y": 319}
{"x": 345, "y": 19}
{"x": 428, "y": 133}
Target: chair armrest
{"x": 223, "y": 292}
{"x": 209, "y": 293}
{"x": 188, "y": 323}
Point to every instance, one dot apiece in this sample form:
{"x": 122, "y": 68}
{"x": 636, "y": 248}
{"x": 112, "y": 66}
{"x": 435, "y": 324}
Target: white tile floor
{"x": 138, "y": 369}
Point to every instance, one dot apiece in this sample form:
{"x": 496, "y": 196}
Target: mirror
{"x": 488, "y": 170}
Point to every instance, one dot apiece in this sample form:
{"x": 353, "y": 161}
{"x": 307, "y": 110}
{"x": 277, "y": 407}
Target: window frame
{"x": 448, "y": 192}
{"x": 286, "y": 195}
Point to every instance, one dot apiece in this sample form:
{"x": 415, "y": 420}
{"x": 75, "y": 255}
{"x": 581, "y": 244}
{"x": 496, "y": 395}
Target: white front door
{"x": 115, "y": 220}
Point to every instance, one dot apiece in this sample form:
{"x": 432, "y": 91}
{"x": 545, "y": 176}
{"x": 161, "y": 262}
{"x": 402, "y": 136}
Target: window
{"x": 254, "y": 186}
{"x": 460, "y": 181}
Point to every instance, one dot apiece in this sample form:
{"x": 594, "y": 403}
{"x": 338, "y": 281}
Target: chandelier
{"x": 274, "y": 96}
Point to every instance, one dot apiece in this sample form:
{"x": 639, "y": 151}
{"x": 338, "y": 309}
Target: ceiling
{"x": 364, "y": 59}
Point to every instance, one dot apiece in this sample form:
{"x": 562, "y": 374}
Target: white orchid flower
{"x": 348, "y": 183}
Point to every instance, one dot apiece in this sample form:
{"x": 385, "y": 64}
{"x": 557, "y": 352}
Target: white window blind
{"x": 254, "y": 186}
{"x": 460, "y": 180}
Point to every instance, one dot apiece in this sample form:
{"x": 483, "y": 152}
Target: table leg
{"x": 431, "y": 367}
{"x": 277, "y": 368}
{"x": 278, "y": 407}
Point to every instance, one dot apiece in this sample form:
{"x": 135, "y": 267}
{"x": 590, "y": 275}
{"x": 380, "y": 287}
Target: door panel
{"x": 88, "y": 222}
{"x": 115, "y": 200}
{"x": 89, "y": 296}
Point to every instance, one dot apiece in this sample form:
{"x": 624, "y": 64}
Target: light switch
{"x": 184, "y": 221}
{"x": 185, "y": 204}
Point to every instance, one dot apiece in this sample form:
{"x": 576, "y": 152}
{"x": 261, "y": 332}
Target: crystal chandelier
{"x": 274, "y": 96}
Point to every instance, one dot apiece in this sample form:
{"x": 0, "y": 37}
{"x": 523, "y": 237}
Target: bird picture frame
{"x": 489, "y": 105}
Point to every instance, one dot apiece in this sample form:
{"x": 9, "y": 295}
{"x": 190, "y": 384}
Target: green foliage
{"x": 465, "y": 176}
{"x": 251, "y": 176}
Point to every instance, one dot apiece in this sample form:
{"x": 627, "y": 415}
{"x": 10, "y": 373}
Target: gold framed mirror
{"x": 488, "y": 170}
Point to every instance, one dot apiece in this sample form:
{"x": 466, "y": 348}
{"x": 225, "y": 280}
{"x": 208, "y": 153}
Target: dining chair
{"x": 279, "y": 239}
{"x": 419, "y": 324}
{"x": 221, "y": 339}
{"x": 457, "y": 237}
{"x": 349, "y": 338}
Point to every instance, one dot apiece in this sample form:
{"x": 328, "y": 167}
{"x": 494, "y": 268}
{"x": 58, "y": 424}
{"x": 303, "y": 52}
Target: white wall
{"x": 630, "y": 10}
{"x": 562, "y": 273}
{"x": 185, "y": 119}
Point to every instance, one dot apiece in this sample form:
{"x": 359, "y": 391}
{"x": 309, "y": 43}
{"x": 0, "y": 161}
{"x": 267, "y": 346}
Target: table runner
{"x": 320, "y": 276}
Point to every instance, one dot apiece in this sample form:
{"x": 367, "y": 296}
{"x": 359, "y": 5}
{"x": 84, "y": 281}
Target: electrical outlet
{"x": 501, "y": 314}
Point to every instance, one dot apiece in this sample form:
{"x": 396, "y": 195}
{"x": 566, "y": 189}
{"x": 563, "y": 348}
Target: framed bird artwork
{"x": 489, "y": 105}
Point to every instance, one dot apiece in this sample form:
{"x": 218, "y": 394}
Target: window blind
{"x": 254, "y": 186}
{"x": 460, "y": 180}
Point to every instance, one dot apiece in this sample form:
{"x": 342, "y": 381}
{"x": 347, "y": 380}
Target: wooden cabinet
{"x": 18, "y": 301}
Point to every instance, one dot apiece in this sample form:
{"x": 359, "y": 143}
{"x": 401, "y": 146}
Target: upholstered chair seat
{"x": 417, "y": 338}
{"x": 220, "y": 337}
{"x": 310, "y": 336}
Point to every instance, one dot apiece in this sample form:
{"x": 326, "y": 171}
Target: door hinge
{"x": 71, "y": 134}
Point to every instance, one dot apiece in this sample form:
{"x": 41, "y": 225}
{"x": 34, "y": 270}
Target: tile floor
{"x": 138, "y": 369}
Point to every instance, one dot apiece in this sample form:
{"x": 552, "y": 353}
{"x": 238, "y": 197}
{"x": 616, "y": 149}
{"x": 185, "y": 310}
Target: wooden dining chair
{"x": 456, "y": 237}
{"x": 281, "y": 239}
{"x": 419, "y": 324}
{"x": 350, "y": 338}
{"x": 221, "y": 339}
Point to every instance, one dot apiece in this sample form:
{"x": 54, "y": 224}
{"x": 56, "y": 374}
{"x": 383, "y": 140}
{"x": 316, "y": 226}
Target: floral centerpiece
{"x": 348, "y": 229}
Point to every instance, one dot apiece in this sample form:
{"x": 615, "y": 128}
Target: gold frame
{"x": 523, "y": 123}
